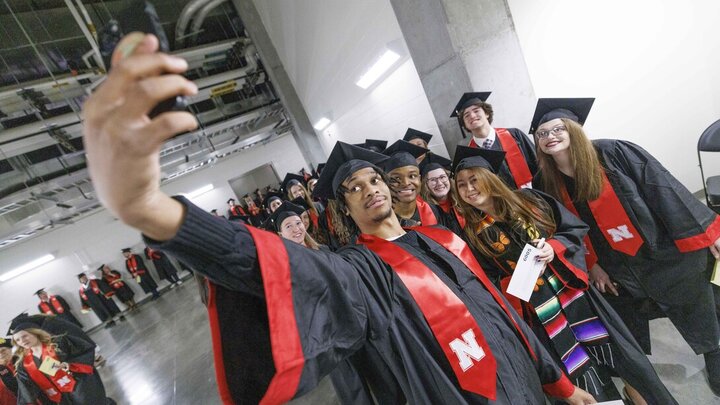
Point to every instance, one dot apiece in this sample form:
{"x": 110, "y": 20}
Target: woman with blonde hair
{"x": 573, "y": 321}
{"x": 54, "y": 369}
{"x": 294, "y": 188}
{"x": 649, "y": 236}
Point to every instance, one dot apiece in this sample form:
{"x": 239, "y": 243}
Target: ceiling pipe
{"x": 184, "y": 19}
{"x": 198, "y": 21}
{"x": 88, "y": 21}
{"x": 86, "y": 32}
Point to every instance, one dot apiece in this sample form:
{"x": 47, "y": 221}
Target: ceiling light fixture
{"x": 202, "y": 190}
{"x": 378, "y": 69}
{"x": 27, "y": 267}
{"x": 322, "y": 124}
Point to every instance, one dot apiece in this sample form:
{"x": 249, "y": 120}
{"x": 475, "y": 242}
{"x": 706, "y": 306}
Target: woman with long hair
{"x": 573, "y": 321}
{"x": 55, "y": 369}
{"x": 437, "y": 189}
{"x": 288, "y": 223}
{"x": 649, "y": 236}
{"x": 294, "y": 188}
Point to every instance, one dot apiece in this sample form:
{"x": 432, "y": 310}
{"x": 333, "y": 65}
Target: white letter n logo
{"x": 467, "y": 349}
{"x": 620, "y": 233}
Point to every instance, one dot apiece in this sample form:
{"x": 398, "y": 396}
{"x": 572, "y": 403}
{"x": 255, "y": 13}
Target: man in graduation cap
{"x": 444, "y": 333}
{"x": 649, "y": 235}
{"x": 235, "y": 210}
{"x": 135, "y": 265}
{"x": 405, "y": 183}
{"x": 475, "y": 115}
{"x": 55, "y": 305}
{"x": 95, "y": 294}
{"x": 418, "y": 138}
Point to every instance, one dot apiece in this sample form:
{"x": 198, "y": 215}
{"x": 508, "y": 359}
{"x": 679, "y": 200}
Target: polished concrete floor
{"x": 162, "y": 355}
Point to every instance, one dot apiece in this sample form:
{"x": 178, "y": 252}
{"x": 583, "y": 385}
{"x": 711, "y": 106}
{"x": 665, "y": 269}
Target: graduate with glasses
{"x": 649, "y": 236}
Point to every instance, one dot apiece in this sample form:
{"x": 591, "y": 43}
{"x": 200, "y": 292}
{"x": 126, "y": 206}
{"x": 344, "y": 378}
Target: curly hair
{"x": 340, "y": 212}
{"x": 487, "y": 107}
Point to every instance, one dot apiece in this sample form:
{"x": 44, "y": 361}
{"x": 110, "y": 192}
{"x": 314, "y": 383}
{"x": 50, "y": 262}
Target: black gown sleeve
{"x": 63, "y": 302}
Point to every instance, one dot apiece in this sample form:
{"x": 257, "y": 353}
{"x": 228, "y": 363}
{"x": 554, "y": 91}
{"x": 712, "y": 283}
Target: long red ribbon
{"x": 132, "y": 264}
{"x": 612, "y": 219}
{"x": 54, "y": 386}
{"x": 447, "y": 207}
{"x": 427, "y": 216}
{"x": 513, "y": 156}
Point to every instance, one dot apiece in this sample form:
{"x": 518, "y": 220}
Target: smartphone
{"x": 140, "y": 15}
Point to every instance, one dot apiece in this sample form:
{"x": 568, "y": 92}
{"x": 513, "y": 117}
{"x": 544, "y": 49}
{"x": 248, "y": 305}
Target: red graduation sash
{"x": 153, "y": 254}
{"x": 612, "y": 219}
{"x": 427, "y": 216}
{"x": 449, "y": 319}
{"x": 132, "y": 265}
{"x": 114, "y": 281}
{"x": 513, "y": 156}
{"x": 55, "y": 303}
{"x": 313, "y": 218}
{"x": 447, "y": 206}
{"x": 52, "y": 386}
{"x": 330, "y": 226}
{"x": 237, "y": 210}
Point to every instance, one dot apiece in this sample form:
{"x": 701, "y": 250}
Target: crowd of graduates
{"x": 388, "y": 268}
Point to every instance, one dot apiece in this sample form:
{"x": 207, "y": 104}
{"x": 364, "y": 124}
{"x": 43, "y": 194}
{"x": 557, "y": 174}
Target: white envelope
{"x": 526, "y": 274}
{"x": 616, "y": 402}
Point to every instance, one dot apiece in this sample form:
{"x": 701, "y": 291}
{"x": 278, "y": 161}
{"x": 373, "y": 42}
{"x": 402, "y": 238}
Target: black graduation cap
{"x": 42, "y": 290}
{"x": 411, "y": 134}
{"x": 466, "y": 101}
{"x": 81, "y": 275}
{"x": 402, "y": 153}
{"x": 5, "y": 343}
{"x": 548, "y": 109}
{"x": 230, "y": 199}
{"x": 287, "y": 209}
{"x": 375, "y": 145}
{"x": 320, "y": 167}
{"x": 301, "y": 202}
{"x": 271, "y": 196}
{"x": 344, "y": 160}
{"x": 467, "y": 157}
{"x": 290, "y": 180}
{"x": 127, "y": 250}
{"x": 22, "y": 322}
{"x": 101, "y": 267}
{"x": 432, "y": 162}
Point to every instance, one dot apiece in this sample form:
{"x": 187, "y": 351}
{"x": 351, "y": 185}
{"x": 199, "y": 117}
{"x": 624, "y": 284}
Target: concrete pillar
{"x": 304, "y": 133}
{"x": 467, "y": 45}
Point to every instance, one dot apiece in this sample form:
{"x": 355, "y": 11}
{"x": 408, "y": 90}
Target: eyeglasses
{"x": 440, "y": 179}
{"x": 555, "y": 131}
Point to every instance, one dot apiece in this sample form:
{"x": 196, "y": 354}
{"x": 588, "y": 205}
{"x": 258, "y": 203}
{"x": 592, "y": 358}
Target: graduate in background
{"x": 648, "y": 236}
{"x": 8, "y": 382}
{"x": 55, "y": 369}
{"x": 114, "y": 279}
{"x": 164, "y": 267}
{"x": 437, "y": 189}
{"x": 96, "y": 295}
{"x": 234, "y": 210}
{"x": 136, "y": 267}
{"x": 321, "y": 307}
{"x": 573, "y": 322}
{"x": 418, "y": 138}
{"x": 475, "y": 115}
{"x": 55, "y": 305}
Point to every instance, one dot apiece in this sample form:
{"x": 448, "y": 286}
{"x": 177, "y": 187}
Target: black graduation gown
{"x": 66, "y": 315}
{"x": 8, "y": 385}
{"x": 340, "y": 304}
{"x": 527, "y": 148}
{"x": 163, "y": 265}
{"x": 124, "y": 292}
{"x": 328, "y": 237}
{"x": 629, "y": 362}
{"x": 147, "y": 282}
{"x": 667, "y": 216}
{"x": 104, "y": 307}
{"x": 89, "y": 388}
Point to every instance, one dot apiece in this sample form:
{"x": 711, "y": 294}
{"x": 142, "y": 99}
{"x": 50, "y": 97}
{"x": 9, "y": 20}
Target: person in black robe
{"x": 113, "y": 278}
{"x": 405, "y": 183}
{"x": 164, "y": 267}
{"x": 55, "y": 305}
{"x": 136, "y": 267}
{"x": 94, "y": 295}
{"x": 649, "y": 236}
{"x": 475, "y": 115}
{"x": 437, "y": 188}
{"x": 574, "y": 323}
{"x": 8, "y": 382}
{"x": 75, "y": 380}
{"x": 415, "y": 137}
{"x": 283, "y": 316}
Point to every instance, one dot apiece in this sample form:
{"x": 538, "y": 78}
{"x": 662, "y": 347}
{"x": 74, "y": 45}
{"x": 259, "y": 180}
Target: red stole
{"x": 237, "y": 210}
{"x": 447, "y": 207}
{"x": 55, "y": 304}
{"x": 456, "y": 331}
{"x": 114, "y": 281}
{"x": 52, "y": 386}
{"x": 513, "y": 156}
{"x": 330, "y": 226}
{"x": 93, "y": 285}
{"x": 313, "y": 218}
{"x": 132, "y": 265}
{"x": 427, "y": 216}
{"x": 612, "y": 220}
{"x": 153, "y": 254}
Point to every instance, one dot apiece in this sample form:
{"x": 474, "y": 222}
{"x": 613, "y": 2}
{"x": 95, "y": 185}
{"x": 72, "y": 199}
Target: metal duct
{"x": 198, "y": 21}
{"x": 184, "y": 19}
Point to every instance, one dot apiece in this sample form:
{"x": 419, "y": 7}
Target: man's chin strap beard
{"x": 382, "y": 217}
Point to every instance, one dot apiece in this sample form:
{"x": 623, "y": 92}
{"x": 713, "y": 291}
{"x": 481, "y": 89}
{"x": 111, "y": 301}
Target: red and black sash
{"x": 611, "y": 218}
{"x": 447, "y": 207}
{"x": 132, "y": 265}
{"x": 52, "y": 386}
{"x": 55, "y": 304}
{"x": 153, "y": 254}
{"x": 237, "y": 210}
{"x": 427, "y": 216}
{"x": 114, "y": 281}
{"x": 513, "y": 156}
{"x": 330, "y": 226}
{"x": 313, "y": 218}
{"x": 451, "y": 322}
{"x": 93, "y": 285}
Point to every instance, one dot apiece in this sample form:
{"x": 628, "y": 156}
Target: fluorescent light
{"x": 377, "y": 70}
{"x": 202, "y": 190}
{"x": 321, "y": 124}
{"x": 27, "y": 267}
